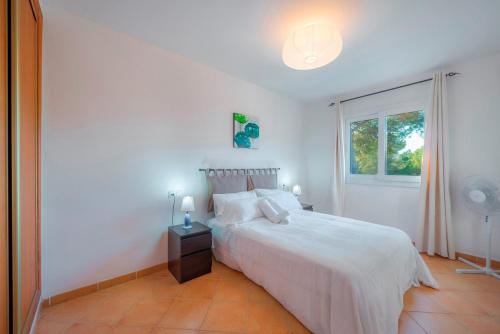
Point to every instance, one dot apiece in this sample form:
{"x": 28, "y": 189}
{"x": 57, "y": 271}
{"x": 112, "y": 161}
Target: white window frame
{"x": 380, "y": 178}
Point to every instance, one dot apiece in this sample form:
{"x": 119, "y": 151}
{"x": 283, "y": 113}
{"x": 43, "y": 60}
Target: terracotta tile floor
{"x": 227, "y": 302}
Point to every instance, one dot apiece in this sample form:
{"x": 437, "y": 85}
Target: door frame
{"x": 20, "y": 325}
{"x": 4, "y": 165}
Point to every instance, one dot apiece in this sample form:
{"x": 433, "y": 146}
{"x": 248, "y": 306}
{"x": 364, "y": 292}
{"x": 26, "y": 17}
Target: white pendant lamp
{"x": 311, "y": 46}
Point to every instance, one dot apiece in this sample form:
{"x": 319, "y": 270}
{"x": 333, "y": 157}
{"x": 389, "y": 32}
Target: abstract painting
{"x": 246, "y": 131}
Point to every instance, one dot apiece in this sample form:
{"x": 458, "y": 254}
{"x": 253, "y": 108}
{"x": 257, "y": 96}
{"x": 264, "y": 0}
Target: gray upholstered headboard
{"x": 231, "y": 180}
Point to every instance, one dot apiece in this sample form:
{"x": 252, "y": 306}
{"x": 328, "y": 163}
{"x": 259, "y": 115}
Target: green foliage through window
{"x": 404, "y": 143}
{"x": 364, "y": 147}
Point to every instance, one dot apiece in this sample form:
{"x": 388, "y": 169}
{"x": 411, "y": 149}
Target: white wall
{"x": 123, "y": 123}
{"x": 474, "y": 103}
{"x": 318, "y": 145}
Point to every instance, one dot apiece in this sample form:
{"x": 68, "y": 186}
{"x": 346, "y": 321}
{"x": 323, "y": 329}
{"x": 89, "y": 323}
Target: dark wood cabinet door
{"x": 196, "y": 244}
{"x": 195, "y": 265}
{"x": 26, "y": 49}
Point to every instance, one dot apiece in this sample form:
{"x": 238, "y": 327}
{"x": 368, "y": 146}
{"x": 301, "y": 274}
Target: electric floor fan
{"x": 482, "y": 195}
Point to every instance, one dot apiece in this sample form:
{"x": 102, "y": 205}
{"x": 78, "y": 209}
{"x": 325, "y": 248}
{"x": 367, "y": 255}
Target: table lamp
{"x": 296, "y": 190}
{"x": 187, "y": 206}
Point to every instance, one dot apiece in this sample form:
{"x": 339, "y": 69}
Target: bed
{"x": 336, "y": 275}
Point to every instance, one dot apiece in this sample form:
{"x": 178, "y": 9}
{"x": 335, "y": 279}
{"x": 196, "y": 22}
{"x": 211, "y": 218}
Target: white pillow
{"x": 241, "y": 210}
{"x": 285, "y": 201}
{"x": 220, "y": 200}
{"x": 268, "y": 192}
{"x": 274, "y": 214}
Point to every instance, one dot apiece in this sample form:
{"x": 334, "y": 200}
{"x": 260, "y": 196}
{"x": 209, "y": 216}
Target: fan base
{"x": 478, "y": 270}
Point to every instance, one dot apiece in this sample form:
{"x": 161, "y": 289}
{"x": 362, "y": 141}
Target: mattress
{"x": 336, "y": 275}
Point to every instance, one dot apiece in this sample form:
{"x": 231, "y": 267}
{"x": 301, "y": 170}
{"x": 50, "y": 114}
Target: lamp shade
{"x": 187, "y": 204}
{"x": 296, "y": 190}
{"x": 312, "y": 46}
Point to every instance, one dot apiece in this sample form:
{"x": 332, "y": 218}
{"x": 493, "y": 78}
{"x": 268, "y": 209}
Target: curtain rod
{"x": 451, "y": 74}
{"x": 245, "y": 169}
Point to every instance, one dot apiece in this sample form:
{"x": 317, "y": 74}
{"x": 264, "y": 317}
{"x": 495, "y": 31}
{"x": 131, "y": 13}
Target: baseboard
{"x": 478, "y": 260}
{"x": 88, "y": 289}
{"x": 481, "y": 261}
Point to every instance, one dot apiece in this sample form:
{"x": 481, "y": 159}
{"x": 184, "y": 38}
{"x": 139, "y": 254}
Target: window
{"x": 386, "y": 147}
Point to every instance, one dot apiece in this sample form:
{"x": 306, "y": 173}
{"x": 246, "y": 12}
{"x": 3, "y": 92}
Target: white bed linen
{"x": 336, "y": 275}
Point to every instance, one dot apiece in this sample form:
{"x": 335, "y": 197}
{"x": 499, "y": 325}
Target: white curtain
{"x": 435, "y": 233}
{"x": 339, "y": 162}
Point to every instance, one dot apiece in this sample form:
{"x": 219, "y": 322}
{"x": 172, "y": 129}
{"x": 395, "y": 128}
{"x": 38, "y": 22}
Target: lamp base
{"x": 187, "y": 221}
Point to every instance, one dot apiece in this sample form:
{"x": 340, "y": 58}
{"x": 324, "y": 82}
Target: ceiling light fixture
{"x": 311, "y": 46}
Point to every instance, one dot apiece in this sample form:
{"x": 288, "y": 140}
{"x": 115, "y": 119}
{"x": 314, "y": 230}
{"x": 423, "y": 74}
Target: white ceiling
{"x": 383, "y": 39}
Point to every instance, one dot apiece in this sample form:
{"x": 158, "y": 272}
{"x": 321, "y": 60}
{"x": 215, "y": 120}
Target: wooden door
{"x": 4, "y": 278}
{"x": 25, "y": 129}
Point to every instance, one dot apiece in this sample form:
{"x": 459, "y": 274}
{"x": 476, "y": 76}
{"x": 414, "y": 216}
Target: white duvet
{"x": 336, "y": 275}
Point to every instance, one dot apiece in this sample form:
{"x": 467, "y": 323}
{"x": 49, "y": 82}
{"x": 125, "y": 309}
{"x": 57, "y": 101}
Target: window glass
{"x": 364, "y": 147}
{"x": 404, "y": 143}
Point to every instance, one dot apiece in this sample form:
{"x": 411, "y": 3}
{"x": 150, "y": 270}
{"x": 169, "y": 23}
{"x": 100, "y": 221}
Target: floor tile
{"x": 215, "y": 273}
{"x": 456, "y": 282}
{"x": 489, "y": 301}
{"x": 266, "y": 318}
{"x": 72, "y": 310}
{"x": 185, "y": 313}
{"x": 439, "y": 265}
{"x": 216, "y": 332}
{"x": 166, "y": 289}
{"x": 226, "y": 273}
{"x": 89, "y": 329}
{"x": 421, "y": 299}
{"x": 257, "y": 293}
{"x": 486, "y": 283}
{"x": 108, "y": 310}
{"x": 45, "y": 326}
{"x": 438, "y": 323}
{"x": 230, "y": 290}
{"x": 457, "y": 302}
{"x": 479, "y": 324}
{"x": 160, "y": 330}
{"x": 146, "y": 312}
{"x": 121, "y": 329}
{"x": 199, "y": 288}
{"x": 409, "y": 326}
{"x": 234, "y": 319}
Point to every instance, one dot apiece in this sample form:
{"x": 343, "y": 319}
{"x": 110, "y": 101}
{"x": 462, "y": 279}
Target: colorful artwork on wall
{"x": 246, "y": 131}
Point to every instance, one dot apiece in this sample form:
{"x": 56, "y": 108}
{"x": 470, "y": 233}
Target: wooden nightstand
{"x": 189, "y": 251}
{"x": 308, "y": 207}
